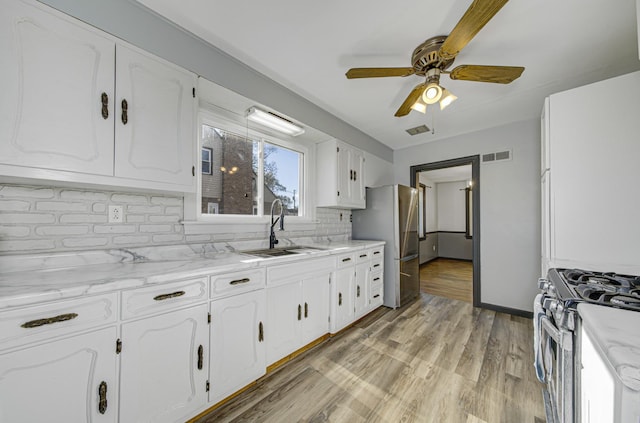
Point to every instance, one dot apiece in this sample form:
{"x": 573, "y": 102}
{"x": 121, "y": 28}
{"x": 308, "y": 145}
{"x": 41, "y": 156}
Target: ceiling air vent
{"x": 496, "y": 157}
{"x": 418, "y": 130}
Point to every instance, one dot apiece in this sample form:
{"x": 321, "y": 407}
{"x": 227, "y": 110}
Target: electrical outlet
{"x": 116, "y": 214}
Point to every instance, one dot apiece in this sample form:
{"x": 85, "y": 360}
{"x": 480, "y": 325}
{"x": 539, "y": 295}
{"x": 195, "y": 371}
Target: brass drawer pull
{"x": 376, "y": 296}
{"x": 260, "y": 332}
{"x": 306, "y": 310}
{"x": 346, "y": 259}
{"x": 200, "y": 357}
{"x": 339, "y": 298}
{"x": 376, "y": 279}
{"x": 49, "y": 320}
{"x": 376, "y": 252}
{"x": 163, "y": 297}
{"x": 358, "y": 291}
{"x": 104, "y": 99}
{"x": 376, "y": 265}
{"x": 239, "y": 281}
{"x": 299, "y": 312}
{"x": 102, "y": 397}
{"x": 363, "y": 255}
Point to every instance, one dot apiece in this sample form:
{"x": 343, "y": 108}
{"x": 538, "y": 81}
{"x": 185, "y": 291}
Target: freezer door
{"x": 409, "y": 278}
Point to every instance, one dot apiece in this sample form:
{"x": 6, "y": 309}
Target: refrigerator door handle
{"x": 411, "y": 257}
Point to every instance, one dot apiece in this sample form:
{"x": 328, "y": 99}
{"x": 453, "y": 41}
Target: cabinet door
{"x": 284, "y": 315}
{"x": 237, "y": 343}
{"x": 358, "y": 190}
{"x": 55, "y": 72}
{"x": 164, "y": 366}
{"x": 70, "y": 380}
{"x": 597, "y": 388}
{"x": 155, "y": 142}
{"x": 345, "y": 174}
{"x": 361, "y": 292}
{"x": 316, "y": 296}
{"x": 343, "y": 297}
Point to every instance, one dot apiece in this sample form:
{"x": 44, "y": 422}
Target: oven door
{"x": 557, "y": 361}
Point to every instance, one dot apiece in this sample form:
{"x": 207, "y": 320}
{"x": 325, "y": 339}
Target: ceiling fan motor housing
{"x": 426, "y": 57}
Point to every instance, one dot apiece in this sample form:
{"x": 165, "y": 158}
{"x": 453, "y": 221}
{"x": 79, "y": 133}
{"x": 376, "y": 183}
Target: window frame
{"x": 193, "y": 203}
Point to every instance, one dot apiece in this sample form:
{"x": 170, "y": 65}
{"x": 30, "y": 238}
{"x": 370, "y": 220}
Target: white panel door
{"x": 70, "y": 380}
{"x": 316, "y": 307}
{"x": 55, "y": 73}
{"x": 357, "y": 184}
{"x": 284, "y": 315}
{"x": 155, "y": 134}
{"x": 164, "y": 366}
{"x": 343, "y": 297}
{"x": 237, "y": 343}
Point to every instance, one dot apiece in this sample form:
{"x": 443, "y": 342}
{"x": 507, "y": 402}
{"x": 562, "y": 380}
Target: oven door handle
{"x": 549, "y": 328}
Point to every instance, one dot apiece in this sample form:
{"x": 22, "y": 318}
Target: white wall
{"x": 451, "y": 206}
{"x": 377, "y": 171}
{"x": 432, "y": 203}
{"x": 509, "y": 206}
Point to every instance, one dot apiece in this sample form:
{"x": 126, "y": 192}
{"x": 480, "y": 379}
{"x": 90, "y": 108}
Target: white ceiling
{"x": 307, "y": 46}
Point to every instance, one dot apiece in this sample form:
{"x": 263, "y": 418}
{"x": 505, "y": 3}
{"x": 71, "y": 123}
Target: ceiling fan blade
{"x": 414, "y": 95}
{"x": 474, "y": 19}
{"x": 479, "y": 73}
{"x": 378, "y": 72}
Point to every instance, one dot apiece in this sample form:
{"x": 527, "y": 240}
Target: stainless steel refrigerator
{"x": 392, "y": 216}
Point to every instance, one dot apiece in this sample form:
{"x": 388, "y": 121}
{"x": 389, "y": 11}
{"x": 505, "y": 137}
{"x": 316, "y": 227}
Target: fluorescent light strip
{"x": 274, "y": 122}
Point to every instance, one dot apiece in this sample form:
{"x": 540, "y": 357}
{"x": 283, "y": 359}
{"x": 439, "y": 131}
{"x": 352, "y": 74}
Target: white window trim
{"x": 197, "y": 223}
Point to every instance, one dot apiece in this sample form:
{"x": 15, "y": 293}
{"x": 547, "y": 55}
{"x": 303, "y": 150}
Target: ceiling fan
{"x": 433, "y": 57}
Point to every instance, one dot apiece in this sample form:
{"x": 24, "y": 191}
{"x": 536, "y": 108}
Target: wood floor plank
{"x": 448, "y": 278}
{"x": 434, "y": 360}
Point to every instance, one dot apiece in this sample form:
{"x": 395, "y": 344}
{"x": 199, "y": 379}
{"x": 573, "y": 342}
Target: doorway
{"x": 452, "y": 245}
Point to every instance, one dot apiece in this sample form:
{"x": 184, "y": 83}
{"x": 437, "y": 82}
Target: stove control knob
{"x": 543, "y": 284}
{"x": 557, "y": 307}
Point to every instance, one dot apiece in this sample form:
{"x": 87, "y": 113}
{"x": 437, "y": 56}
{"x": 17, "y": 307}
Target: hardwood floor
{"x": 448, "y": 278}
{"x": 434, "y": 360}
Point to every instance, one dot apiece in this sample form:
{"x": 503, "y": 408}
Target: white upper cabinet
{"x": 340, "y": 176}
{"x": 155, "y": 119}
{"x": 55, "y": 75}
{"x": 79, "y": 105}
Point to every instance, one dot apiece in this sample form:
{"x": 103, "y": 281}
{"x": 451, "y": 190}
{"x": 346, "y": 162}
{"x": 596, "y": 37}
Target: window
{"x": 206, "y": 160}
{"x": 248, "y": 172}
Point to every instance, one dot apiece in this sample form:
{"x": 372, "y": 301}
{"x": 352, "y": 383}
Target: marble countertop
{"x": 615, "y": 332}
{"x": 31, "y": 279}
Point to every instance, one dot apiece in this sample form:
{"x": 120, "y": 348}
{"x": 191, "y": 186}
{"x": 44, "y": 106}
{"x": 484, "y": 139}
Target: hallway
{"x": 448, "y": 278}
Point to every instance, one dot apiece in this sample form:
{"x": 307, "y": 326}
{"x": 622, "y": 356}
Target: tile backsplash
{"x": 37, "y": 219}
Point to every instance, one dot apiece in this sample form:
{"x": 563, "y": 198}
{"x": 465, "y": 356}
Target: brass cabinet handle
{"x": 376, "y": 252}
{"x": 104, "y": 99}
{"x": 362, "y": 255}
{"x": 200, "y": 357}
{"x": 102, "y": 397}
{"x": 351, "y": 174}
{"x": 376, "y": 279}
{"x": 239, "y": 281}
{"x": 376, "y": 265}
{"x": 260, "y": 332}
{"x": 358, "y": 291}
{"x": 376, "y": 296}
{"x": 339, "y": 298}
{"x": 163, "y": 297}
{"x": 306, "y": 310}
{"x": 49, "y": 320}
{"x": 299, "y": 312}
{"x": 355, "y": 176}
{"x": 344, "y": 260}
{"x": 125, "y": 109}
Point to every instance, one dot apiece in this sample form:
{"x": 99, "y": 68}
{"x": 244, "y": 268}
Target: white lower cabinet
{"x": 68, "y": 380}
{"x": 343, "y": 299}
{"x": 297, "y": 306}
{"x": 164, "y": 366}
{"x": 237, "y": 343}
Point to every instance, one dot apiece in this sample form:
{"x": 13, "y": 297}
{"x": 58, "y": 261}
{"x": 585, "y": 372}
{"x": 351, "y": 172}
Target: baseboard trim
{"x": 455, "y": 258}
{"x": 507, "y": 310}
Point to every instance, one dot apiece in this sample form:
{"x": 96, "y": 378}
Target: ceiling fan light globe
{"x": 419, "y": 106}
{"x": 432, "y": 94}
{"x": 447, "y": 99}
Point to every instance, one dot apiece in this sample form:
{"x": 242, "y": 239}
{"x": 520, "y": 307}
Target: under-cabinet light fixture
{"x": 274, "y": 121}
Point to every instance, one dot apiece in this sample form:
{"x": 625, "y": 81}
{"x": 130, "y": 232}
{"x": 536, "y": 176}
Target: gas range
{"x": 602, "y": 288}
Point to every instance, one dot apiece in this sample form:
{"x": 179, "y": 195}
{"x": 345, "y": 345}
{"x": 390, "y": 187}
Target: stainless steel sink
{"x": 284, "y": 251}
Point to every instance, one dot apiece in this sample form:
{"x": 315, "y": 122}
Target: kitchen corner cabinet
{"x": 340, "y": 175}
{"x": 164, "y": 366}
{"x": 78, "y": 103}
{"x": 297, "y": 306}
{"x": 68, "y": 380}
{"x": 237, "y": 342}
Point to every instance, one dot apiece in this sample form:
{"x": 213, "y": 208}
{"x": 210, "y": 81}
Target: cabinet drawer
{"x": 362, "y": 256}
{"x": 228, "y": 284}
{"x": 377, "y": 264}
{"x": 31, "y": 324}
{"x": 279, "y": 275}
{"x": 159, "y": 298}
{"x": 344, "y": 260}
{"x": 377, "y": 288}
{"x": 377, "y": 252}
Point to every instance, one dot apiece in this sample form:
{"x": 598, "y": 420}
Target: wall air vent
{"x": 496, "y": 157}
{"x": 418, "y": 130}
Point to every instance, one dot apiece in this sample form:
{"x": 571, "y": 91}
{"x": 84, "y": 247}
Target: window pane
{"x": 206, "y": 160}
{"x": 230, "y": 188}
{"x": 282, "y": 178}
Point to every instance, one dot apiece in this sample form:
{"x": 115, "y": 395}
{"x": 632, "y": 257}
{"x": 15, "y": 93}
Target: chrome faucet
{"x": 272, "y": 236}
